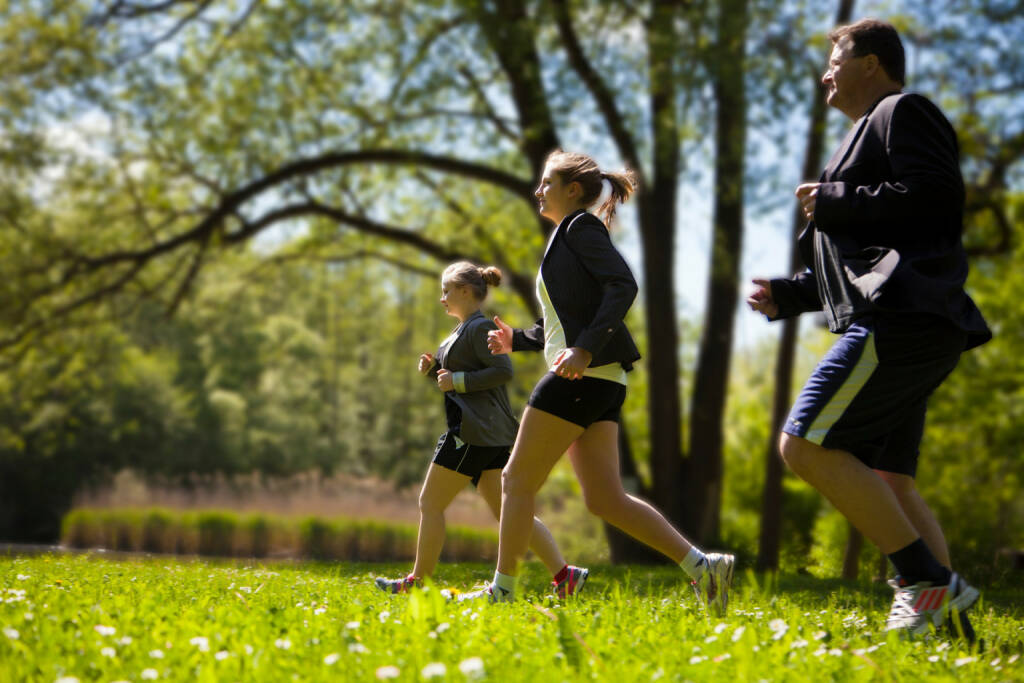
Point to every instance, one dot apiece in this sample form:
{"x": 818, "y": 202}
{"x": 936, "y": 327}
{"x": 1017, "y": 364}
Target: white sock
{"x": 506, "y": 583}
{"x": 694, "y": 563}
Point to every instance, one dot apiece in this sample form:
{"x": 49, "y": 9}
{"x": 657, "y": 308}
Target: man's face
{"x": 845, "y": 78}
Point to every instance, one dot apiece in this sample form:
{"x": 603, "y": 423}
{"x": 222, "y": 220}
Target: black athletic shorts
{"x": 581, "y": 401}
{"x": 454, "y": 454}
{"x": 869, "y": 393}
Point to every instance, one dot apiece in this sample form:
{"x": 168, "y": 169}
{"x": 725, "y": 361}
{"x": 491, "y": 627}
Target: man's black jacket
{"x": 886, "y": 234}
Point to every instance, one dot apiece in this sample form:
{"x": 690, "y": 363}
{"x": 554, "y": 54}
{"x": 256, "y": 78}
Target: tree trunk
{"x": 771, "y": 499}
{"x": 703, "y": 483}
{"x": 657, "y": 217}
{"x": 851, "y": 556}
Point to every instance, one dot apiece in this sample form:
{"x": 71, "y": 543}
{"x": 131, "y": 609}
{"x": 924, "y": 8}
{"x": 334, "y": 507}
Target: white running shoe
{"x": 917, "y": 607}
{"x": 489, "y": 592}
{"x": 712, "y": 588}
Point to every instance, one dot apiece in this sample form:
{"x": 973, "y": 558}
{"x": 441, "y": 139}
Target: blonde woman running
{"x": 481, "y": 429}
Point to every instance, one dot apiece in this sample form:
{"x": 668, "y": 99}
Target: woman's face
{"x": 458, "y": 300}
{"x": 554, "y": 198}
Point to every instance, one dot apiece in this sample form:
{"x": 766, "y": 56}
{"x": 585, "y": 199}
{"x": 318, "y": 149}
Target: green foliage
{"x": 96, "y": 619}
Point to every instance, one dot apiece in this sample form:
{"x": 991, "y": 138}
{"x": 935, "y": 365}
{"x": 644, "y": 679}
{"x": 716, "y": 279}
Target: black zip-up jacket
{"x": 888, "y": 218}
{"x": 591, "y": 289}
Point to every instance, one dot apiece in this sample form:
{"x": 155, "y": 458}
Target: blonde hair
{"x": 573, "y": 167}
{"x": 473, "y": 276}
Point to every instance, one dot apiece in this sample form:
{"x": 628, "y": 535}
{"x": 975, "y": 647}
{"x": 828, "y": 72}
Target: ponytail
{"x": 473, "y": 276}
{"x": 602, "y": 191}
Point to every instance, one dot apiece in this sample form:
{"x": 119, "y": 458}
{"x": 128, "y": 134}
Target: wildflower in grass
{"x": 434, "y": 670}
{"x": 283, "y": 644}
{"x": 383, "y": 616}
{"x": 835, "y": 652}
{"x": 67, "y": 679}
{"x": 202, "y": 643}
{"x": 357, "y": 648}
{"x": 797, "y": 644}
{"x": 108, "y": 652}
{"x": 332, "y": 659}
{"x": 721, "y": 626}
{"x": 127, "y": 640}
{"x": 23, "y": 577}
{"x": 933, "y": 658}
{"x": 443, "y": 626}
{"x": 150, "y": 675}
{"x": 156, "y": 654}
{"x": 821, "y": 635}
{"x": 964, "y": 660}
{"x": 222, "y": 655}
{"x": 319, "y": 610}
{"x": 738, "y": 633}
{"x": 29, "y": 616}
{"x": 942, "y": 646}
{"x": 11, "y": 633}
{"x": 472, "y": 667}
{"x": 105, "y": 630}
{"x": 710, "y": 639}
{"x": 697, "y": 659}
{"x": 778, "y": 628}
{"x": 386, "y": 672}
{"x": 722, "y": 657}
{"x": 352, "y": 625}
{"x": 248, "y": 649}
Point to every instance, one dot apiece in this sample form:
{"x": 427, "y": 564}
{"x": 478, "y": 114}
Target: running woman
{"x": 481, "y": 427}
{"x": 585, "y": 289}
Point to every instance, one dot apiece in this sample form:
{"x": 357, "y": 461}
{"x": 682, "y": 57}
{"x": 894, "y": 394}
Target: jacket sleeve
{"x": 590, "y": 241}
{"x": 796, "y": 295}
{"x": 531, "y": 339}
{"x": 925, "y": 186}
{"x": 498, "y": 368}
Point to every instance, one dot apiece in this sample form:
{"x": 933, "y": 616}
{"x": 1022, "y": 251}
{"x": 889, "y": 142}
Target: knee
{"x": 515, "y": 484}
{"x": 901, "y": 484}
{"x": 429, "y": 505}
{"x": 602, "y": 504}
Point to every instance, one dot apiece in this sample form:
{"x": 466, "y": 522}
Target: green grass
{"x": 105, "y": 620}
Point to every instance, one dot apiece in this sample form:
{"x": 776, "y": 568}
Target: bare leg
{"x": 854, "y": 489}
{"x": 439, "y": 490}
{"x": 541, "y": 441}
{"x": 920, "y": 515}
{"x": 595, "y": 457}
{"x": 541, "y": 541}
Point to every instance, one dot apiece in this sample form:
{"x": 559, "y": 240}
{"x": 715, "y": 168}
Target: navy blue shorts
{"x": 455, "y": 454}
{"x": 581, "y": 401}
{"x": 869, "y": 394}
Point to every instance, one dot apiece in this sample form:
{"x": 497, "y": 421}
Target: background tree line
{"x": 223, "y": 224}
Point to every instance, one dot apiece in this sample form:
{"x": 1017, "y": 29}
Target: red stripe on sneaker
{"x": 940, "y": 594}
{"x": 922, "y": 599}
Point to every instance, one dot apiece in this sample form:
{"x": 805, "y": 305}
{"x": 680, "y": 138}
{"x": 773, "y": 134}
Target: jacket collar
{"x": 562, "y": 225}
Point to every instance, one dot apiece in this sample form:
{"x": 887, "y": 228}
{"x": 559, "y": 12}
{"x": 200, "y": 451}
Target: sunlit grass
{"x": 166, "y": 619}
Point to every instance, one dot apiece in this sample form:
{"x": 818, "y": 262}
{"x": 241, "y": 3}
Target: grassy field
{"x": 168, "y": 619}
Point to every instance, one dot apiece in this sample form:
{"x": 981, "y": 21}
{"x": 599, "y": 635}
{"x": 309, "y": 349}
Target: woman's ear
{"x": 575, "y": 190}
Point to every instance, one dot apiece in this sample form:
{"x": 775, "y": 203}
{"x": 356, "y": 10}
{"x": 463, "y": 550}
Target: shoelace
{"x": 903, "y": 605}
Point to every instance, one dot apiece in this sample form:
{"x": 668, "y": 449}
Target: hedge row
{"x": 228, "y": 534}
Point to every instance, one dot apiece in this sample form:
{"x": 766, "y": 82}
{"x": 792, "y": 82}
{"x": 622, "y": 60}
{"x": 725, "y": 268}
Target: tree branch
{"x": 597, "y": 87}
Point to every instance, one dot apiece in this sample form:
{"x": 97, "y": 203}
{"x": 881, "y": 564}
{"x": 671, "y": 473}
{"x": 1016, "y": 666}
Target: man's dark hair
{"x": 879, "y": 38}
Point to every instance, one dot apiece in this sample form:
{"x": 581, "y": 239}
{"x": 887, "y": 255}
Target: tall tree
{"x": 769, "y": 539}
{"x": 703, "y": 483}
